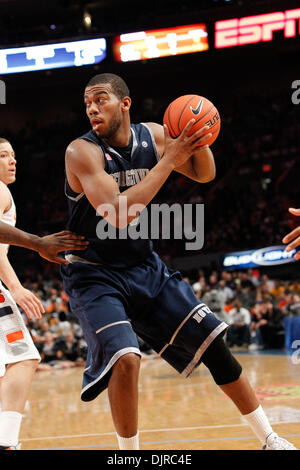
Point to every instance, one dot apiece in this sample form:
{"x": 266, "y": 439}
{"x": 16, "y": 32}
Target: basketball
{"x": 187, "y": 107}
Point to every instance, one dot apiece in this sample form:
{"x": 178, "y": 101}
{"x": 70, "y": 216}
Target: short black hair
{"x": 117, "y": 83}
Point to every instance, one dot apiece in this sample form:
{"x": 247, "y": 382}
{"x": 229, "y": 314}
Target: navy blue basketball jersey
{"x": 127, "y": 170}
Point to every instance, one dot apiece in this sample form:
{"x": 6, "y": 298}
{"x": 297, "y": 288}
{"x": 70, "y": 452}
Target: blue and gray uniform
{"x": 119, "y": 288}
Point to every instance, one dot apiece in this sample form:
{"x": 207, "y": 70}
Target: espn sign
{"x": 254, "y": 29}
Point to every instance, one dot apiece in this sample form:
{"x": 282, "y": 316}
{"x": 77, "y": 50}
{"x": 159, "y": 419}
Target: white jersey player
{"x": 19, "y": 357}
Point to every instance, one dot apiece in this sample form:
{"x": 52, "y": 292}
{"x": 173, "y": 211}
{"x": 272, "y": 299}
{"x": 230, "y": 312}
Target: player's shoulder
{"x": 157, "y": 131}
{"x": 5, "y": 196}
{"x": 158, "y": 135}
{"x": 155, "y": 127}
{"x": 4, "y": 189}
{"x": 81, "y": 153}
{"x": 77, "y": 145}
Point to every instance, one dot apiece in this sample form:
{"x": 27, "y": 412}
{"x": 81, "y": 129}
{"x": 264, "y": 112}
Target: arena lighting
{"x": 87, "y": 19}
{"x": 257, "y": 28}
{"x": 160, "y": 43}
{"x": 268, "y": 256}
{"x": 52, "y": 56}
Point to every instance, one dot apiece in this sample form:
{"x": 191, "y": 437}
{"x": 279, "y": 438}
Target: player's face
{"x": 103, "y": 109}
{"x": 7, "y": 163}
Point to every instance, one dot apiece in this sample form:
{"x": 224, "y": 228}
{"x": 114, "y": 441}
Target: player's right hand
{"x": 293, "y": 238}
{"x": 50, "y": 245}
{"x": 181, "y": 148}
{"x": 31, "y": 304}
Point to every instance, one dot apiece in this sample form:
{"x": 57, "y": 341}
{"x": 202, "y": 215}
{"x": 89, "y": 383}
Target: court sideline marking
{"x": 191, "y": 428}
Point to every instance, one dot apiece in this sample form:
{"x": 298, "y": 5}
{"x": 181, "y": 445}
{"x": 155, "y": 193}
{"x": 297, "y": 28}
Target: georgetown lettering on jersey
{"x": 127, "y": 169}
{"x": 129, "y": 177}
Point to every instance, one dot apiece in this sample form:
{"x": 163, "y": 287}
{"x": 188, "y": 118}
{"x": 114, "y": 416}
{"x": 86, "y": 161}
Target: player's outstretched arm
{"x": 293, "y": 238}
{"x": 48, "y": 246}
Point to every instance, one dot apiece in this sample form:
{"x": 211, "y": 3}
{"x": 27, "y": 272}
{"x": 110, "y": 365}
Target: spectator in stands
{"x": 64, "y": 324}
{"x": 270, "y": 324}
{"x": 277, "y": 289}
{"x": 284, "y": 300}
{"x": 216, "y": 301}
{"x": 39, "y": 333}
{"x": 293, "y": 309}
{"x": 213, "y": 280}
{"x": 228, "y": 278}
{"x": 262, "y": 293}
{"x": 69, "y": 348}
{"x": 257, "y": 319}
{"x": 49, "y": 349}
{"x": 238, "y": 333}
{"x": 197, "y": 289}
{"x": 225, "y": 290}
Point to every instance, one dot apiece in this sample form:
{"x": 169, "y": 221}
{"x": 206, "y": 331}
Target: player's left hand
{"x": 293, "y": 238}
{"x": 31, "y": 304}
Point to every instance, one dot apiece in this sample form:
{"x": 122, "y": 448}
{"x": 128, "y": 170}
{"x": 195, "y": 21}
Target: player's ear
{"x": 125, "y": 103}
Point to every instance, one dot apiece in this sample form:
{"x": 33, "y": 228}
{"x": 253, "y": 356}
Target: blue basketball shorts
{"x": 115, "y": 305}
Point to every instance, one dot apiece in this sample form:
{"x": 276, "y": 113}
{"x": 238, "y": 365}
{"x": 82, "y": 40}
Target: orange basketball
{"x": 187, "y": 107}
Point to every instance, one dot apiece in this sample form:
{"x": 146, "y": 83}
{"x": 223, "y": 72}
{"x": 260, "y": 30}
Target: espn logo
{"x": 257, "y": 28}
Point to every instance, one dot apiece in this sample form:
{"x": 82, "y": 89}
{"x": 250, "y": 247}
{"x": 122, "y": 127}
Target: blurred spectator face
{"x": 53, "y": 293}
{"x": 236, "y": 304}
{"x": 202, "y": 281}
{"x": 256, "y": 309}
{"x": 287, "y": 295}
{"x": 264, "y": 287}
{"x": 44, "y": 327}
{"x": 264, "y": 307}
{"x": 213, "y": 279}
{"x": 69, "y": 337}
{"x": 48, "y": 337}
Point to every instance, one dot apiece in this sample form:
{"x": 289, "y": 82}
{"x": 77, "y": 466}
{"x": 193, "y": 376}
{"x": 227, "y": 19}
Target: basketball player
{"x": 293, "y": 238}
{"x": 18, "y": 355}
{"x": 119, "y": 287}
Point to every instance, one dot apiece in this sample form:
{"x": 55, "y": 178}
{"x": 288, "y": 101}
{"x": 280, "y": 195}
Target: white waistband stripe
{"x": 112, "y": 324}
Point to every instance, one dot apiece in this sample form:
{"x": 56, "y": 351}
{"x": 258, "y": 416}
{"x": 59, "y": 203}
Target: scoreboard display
{"x": 52, "y": 56}
{"x": 152, "y": 44}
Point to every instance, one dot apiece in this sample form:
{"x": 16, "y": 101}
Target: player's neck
{"x": 121, "y": 138}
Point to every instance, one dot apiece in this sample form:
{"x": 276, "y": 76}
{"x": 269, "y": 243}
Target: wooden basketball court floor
{"x": 175, "y": 413}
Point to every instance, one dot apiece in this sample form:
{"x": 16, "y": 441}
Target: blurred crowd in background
{"x": 246, "y": 207}
{"x": 253, "y": 305}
